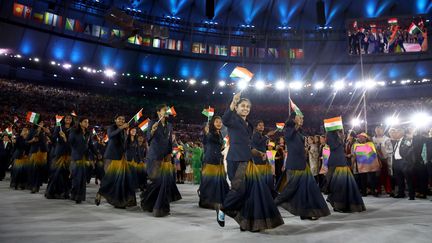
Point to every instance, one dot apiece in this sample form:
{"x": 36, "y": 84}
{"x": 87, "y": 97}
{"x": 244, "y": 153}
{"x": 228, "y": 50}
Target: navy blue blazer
{"x": 116, "y": 146}
{"x": 240, "y": 133}
{"x": 140, "y": 153}
{"x": 259, "y": 142}
{"x": 40, "y": 145}
{"x": 61, "y": 147}
{"x": 21, "y": 148}
{"x": 160, "y": 144}
{"x": 131, "y": 149}
{"x": 81, "y": 145}
{"x": 294, "y": 139}
{"x": 337, "y": 150}
{"x": 213, "y": 144}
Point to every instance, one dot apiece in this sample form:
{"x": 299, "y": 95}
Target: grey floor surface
{"x": 26, "y": 217}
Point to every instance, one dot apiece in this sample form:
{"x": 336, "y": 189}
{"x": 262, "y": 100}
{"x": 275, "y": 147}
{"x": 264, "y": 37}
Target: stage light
{"x": 67, "y": 66}
{"x": 421, "y": 119}
{"x": 280, "y": 85}
{"x": 3, "y": 51}
{"x": 72, "y": 78}
{"x": 55, "y": 75}
{"x": 94, "y": 70}
{"x": 221, "y": 93}
{"x": 260, "y": 85}
{"x": 394, "y": 81}
{"x": 109, "y": 73}
{"x": 311, "y": 94}
{"x": 355, "y": 122}
{"x": 18, "y": 56}
{"x": 156, "y": 88}
{"x": 296, "y": 85}
{"x": 128, "y": 74}
{"x": 53, "y": 63}
{"x": 204, "y": 82}
{"x": 359, "y": 84}
{"x": 319, "y": 85}
{"x": 142, "y": 87}
{"x": 391, "y": 121}
{"x": 22, "y": 67}
{"x": 195, "y": 91}
{"x": 339, "y": 85}
{"x": 222, "y": 83}
{"x": 381, "y": 83}
{"x": 242, "y": 84}
{"x": 370, "y": 84}
{"x": 115, "y": 84}
{"x": 192, "y": 81}
{"x": 102, "y": 82}
{"x": 36, "y": 59}
{"x": 183, "y": 91}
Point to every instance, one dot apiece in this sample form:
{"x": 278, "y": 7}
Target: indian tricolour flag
{"x": 171, "y": 111}
{"x": 94, "y": 132}
{"x": 295, "y": 108}
{"x": 333, "y": 124}
{"x": 208, "y": 112}
{"x": 9, "y": 131}
{"x": 144, "y": 125}
{"x": 32, "y": 117}
{"x": 58, "y": 120}
{"x": 105, "y": 139}
{"x": 242, "y": 73}
{"x": 280, "y": 126}
{"x": 414, "y": 29}
{"x": 226, "y": 140}
{"x": 138, "y": 115}
{"x": 392, "y": 21}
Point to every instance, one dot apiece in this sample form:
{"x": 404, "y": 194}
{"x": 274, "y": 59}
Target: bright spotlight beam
{"x": 339, "y": 85}
{"x": 260, "y": 85}
{"x": 296, "y": 85}
{"x": 420, "y": 120}
{"x": 319, "y": 85}
{"x": 242, "y": 84}
{"x": 280, "y": 85}
{"x": 109, "y": 73}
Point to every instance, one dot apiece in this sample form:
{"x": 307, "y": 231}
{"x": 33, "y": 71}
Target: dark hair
{"x": 212, "y": 127}
{"x": 258, "y": 122}
{"x": 158, "y": 108}
{"x": 243, "y": 100}
{"x": 64, "y": 118}
{"x": 78, "y": 126}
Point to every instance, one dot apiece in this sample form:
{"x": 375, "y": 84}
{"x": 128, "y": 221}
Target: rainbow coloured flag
{"x": 366, "y": 157}
{"x": 325, "y": 156}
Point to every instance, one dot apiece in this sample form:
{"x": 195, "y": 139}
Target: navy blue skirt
{"x": 301, "y": 195}
{"x": 59, "y": 183}
{"x": 344, "y": 195}
{"x": 213, "y": 186}
{"x": 79, "y": 180}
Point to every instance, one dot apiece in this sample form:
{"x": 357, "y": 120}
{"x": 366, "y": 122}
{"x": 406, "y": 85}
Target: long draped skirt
{"x": 214, "y": 186}
{"x": 59, "y": 183}
{"x": 250, "y": 201}
{"x": 38, "y": 170}
{"x": 118, "y": 186}
{"x": 79, "y": 169}
{"x": 344, "y": 194}
{"x": 265, "y": 170}
{"x": 99, "y": 169}
{"x": 141, "y": 175}
{"x": 162, "y": 190}
{"x": 20, "y": 173}
{"x": 301, "y": 195}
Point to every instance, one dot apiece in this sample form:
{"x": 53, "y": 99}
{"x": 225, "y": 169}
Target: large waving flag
{"x": 241, "y": 73}
{"x": 333, "y": 124}
{"x": 366, "y": 157}
{"x": 32, "y": 117}
{"x": 295, "y": 108}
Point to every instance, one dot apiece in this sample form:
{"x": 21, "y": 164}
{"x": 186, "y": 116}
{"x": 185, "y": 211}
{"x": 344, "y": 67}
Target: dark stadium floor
{"x": 26, "y": 217}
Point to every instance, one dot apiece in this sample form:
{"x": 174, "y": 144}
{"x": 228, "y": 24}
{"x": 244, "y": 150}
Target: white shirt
{"x": 397, "y": 153}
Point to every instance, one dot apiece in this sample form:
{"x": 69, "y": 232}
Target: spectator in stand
{"x": 384, "y": 151}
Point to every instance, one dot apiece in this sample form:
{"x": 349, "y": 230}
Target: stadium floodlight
{"x": 392, "y": 121}
{"x": 319, "y": 85}
{"x": 192, "y": 81}
{"x": 296, "y": 85}
{"x": 204, "y": 82}
{"x": 339, "y": 85}
{"x": 359, "y": 84}
{"x": 280, "y": 85}
{"x": 222, "y": 83}
{"x": 370, "y": 84}
{"x": 109, "y": 73}
{"x": 36, "y": 59}
{"x": 18, "y": 56}
{"x": 260, "y": 85}
{"x": 53, "y": 63}
{"x": 355, "y": 122}
{"x": 67, "y": 66}
{"x": 421, "y": 119}
{"x": 242, "y": 84}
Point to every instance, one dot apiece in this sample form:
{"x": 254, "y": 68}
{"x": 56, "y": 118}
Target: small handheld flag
{"x": 280, "y": 126}
{"x": 58, "y": 120}
{"x": 138, "y": 115}
{"x": 241, "y": 73}
{"x": 333, "y": 124}
{"x": 32, "y": 117}
{"x": 295, "y": 108}
{"x": 171, "y": 111}
{"x": 226, "y": 140}
{"x": 144, "y": 125}
{"x": 15, "y": 119}
{"x": 94, "y": 132}
{"x": 105, "y": 139}
{"x": 73, "y": 113}
{"x": 414, "y": 29}
{"x": 9, "y": 131}
{"x": 209, "y": 113}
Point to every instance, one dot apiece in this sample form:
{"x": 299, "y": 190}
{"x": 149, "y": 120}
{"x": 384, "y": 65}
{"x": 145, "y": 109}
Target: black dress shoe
{"x": 78, "y": 201}
{"x": 399, "y": 196}
{"x": 421, "y": 196}
{"x": 411, "y": 198}
{"x": 97, "y": 199}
